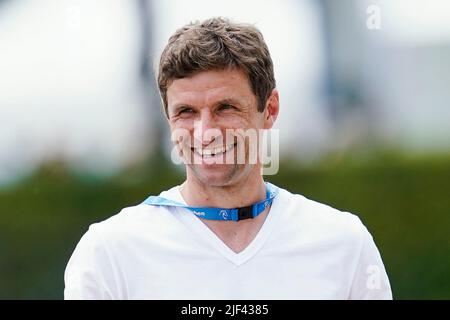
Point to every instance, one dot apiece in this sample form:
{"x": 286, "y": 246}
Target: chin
{"x": 218, "y": 177}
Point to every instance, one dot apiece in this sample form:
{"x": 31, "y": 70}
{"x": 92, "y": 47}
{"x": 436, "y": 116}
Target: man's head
{"x": 216, "y": 81}
{"x": 216, "y": 44}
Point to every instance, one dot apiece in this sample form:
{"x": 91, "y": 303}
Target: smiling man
{"x": 224, "y": 233}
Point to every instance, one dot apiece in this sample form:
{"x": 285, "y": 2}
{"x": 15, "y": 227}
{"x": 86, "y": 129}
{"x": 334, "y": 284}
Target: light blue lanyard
{"x": 211, "y": 213}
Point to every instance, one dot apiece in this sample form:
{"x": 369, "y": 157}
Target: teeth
{"x": 213, "y": 152}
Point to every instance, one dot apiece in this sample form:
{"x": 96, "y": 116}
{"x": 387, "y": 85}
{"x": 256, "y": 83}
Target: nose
{"x": 206, "y": 130}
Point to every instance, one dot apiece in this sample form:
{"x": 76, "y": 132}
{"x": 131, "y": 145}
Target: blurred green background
{"x": 402, "y": 200}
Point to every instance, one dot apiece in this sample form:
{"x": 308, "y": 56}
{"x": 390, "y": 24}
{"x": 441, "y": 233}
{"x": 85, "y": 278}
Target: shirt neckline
{"x": 202, "y": 230}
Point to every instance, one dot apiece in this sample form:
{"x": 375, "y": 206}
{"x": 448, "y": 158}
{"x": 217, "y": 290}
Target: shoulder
{"x": 134, "y": 223}
{"x": 319, "y": 220}
{"x": 128, "y": 228}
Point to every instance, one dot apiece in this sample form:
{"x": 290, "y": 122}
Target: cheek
{"x": 180, "y": 134}
{"x": 253, "y": 121}
{"x": 237, "y": 121}
{"x": 182, "y": 125}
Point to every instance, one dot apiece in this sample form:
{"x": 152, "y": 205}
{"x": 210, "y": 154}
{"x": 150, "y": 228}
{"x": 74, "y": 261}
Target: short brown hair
{"x": 213, "y": 44}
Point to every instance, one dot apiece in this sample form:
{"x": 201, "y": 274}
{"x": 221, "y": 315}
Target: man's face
{"x": 201, "y": 108}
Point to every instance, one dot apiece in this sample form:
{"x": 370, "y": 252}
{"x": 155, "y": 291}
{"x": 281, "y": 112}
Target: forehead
{"x": 209, "y": 86}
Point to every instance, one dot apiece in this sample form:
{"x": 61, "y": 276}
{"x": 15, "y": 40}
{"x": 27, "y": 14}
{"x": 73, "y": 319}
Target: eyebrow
{"x": 231, "y": 101}
{"x": 228, "y": 101}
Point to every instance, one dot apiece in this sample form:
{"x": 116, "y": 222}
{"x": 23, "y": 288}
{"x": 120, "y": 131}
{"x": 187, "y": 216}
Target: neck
{"x": 239, "y": 194}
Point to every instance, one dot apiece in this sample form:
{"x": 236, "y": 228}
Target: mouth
{"x": 213, "y": 152}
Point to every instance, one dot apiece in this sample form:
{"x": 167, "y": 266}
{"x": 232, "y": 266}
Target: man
{"x": 224, "y": 233}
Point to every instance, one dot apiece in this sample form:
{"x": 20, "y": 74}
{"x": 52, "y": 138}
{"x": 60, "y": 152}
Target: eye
{"x": 226, "y": 106}
{"x": 185, "y": 111}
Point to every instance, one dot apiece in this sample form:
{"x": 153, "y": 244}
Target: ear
{"x": 271, "y": 110}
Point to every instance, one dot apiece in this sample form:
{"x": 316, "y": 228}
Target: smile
{"x": 212, "y": 152}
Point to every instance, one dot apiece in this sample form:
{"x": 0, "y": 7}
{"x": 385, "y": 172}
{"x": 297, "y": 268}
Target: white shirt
{"x": 304, "y": 250}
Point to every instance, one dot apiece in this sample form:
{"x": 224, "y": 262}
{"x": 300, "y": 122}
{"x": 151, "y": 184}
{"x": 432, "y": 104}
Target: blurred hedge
{"x": 404, "y": 203}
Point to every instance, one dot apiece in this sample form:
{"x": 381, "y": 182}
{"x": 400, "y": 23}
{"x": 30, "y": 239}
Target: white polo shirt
{"x": 304, "y": 250}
